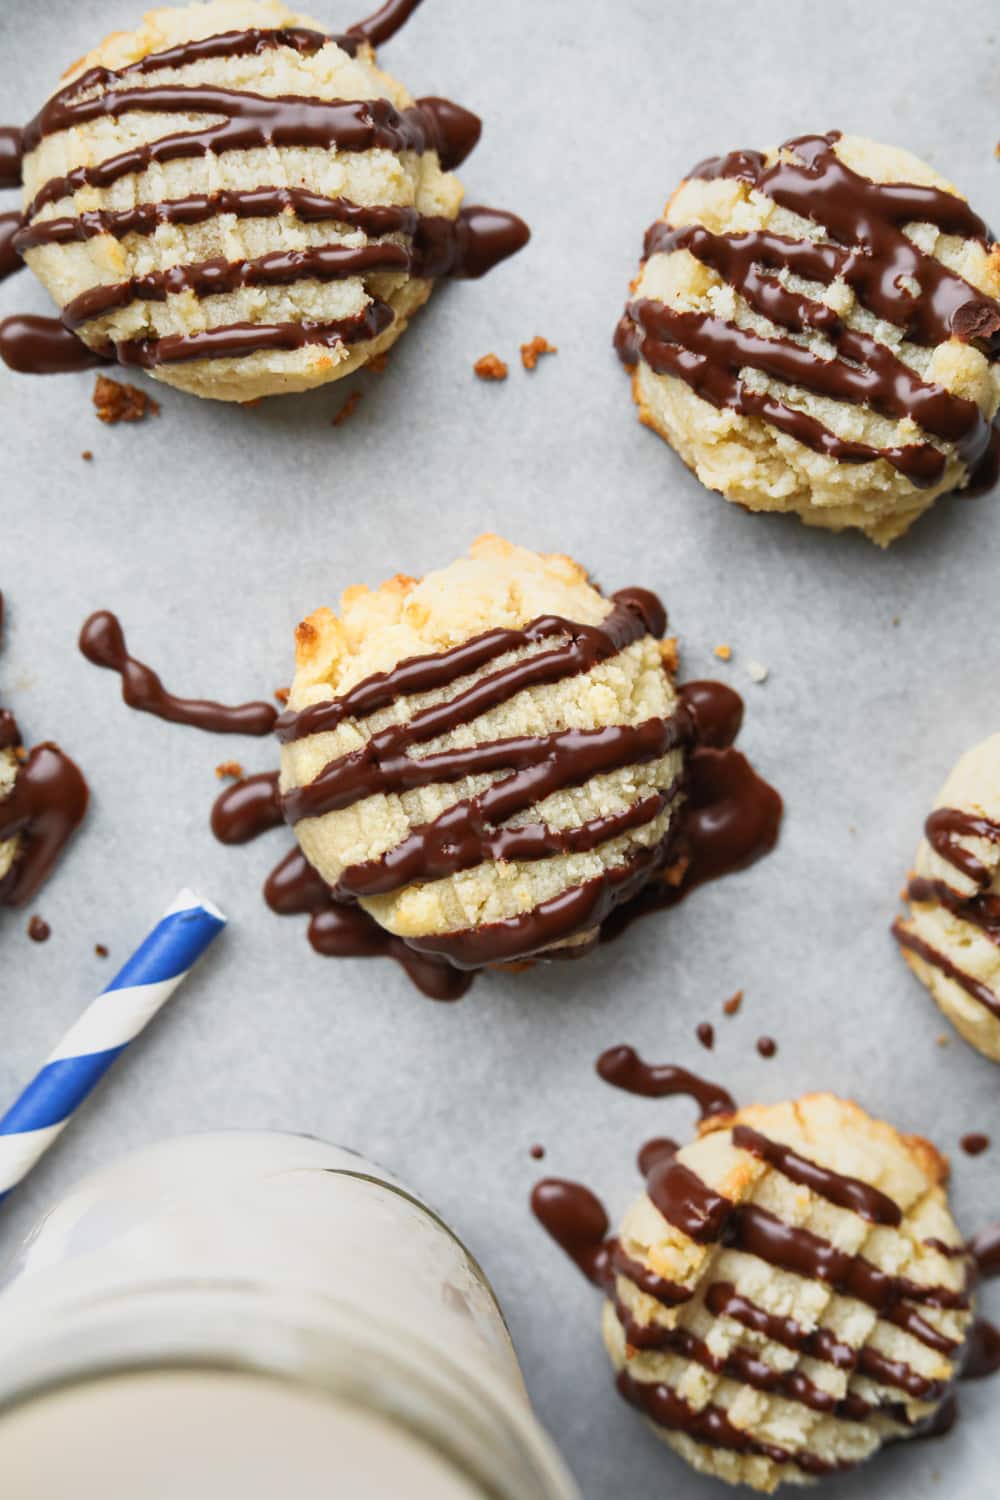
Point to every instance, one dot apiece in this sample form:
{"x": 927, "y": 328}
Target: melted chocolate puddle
{"x": 102, "y": 642}
{"x": 45, "y": 806}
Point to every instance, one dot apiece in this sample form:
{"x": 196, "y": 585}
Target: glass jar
{"x": 258, "y": 1314}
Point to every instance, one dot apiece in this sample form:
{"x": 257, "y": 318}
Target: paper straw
{"x": 102, "y": 1033}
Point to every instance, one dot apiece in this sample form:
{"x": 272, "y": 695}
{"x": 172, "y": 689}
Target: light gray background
{"x": 212, "y": 530}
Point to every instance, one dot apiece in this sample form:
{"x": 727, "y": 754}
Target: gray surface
{"x": 213, "y": 530}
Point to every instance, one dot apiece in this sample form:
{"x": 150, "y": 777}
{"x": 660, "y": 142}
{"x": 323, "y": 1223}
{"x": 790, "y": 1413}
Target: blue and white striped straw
{"x": 103, "y": 1032}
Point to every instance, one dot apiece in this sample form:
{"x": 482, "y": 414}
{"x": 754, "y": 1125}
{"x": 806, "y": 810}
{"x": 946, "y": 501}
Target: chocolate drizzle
{"x": 10, "y": 261}
{"x": 11, "y": 155}
{"x": 43, "y": 346}
{"x": 625, "y": 1069}
{"x": 578, "y": 1223}
{"x": 938, "y": 960}
{"x": 984, "y": 1248}
{"x": 466, "y": 247}
{"x": 867, "y": 248}
{"x": 847, "y": 1192}
{"x": 102, "y": 642}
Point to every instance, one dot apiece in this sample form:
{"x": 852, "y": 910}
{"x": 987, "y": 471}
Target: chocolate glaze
{"x": 711, "y": 1426}
{"x": 950, "y": 970}
{"x": 43, "y": 346}
{"x": 866, "y": 247}
{"x": 386, "y": 21}
{"x": 847, "y": 1192}
{"x": 578, "y": 1223}
{"x": 625, "y": 1069}
{"x": 10, "y": 261}
{"x": 982, "y": 1351}
{"x": 984, "y": 1249}
{"x": 247, "y": 809}
{"x": 687, "y": 1202}
{"x": 45, "y": 806}
{"x": 11, "y": 153}
{"x": 102, "y": 642}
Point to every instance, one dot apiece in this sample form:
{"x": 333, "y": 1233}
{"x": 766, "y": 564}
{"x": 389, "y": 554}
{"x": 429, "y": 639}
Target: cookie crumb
{"x": 756, "y": 671}
{"x": 39, "y": 930}
{"x": 86, "y": 455}
{"x": 670, "y": 654}
{"x": 895, "y": 619}
{"x": 282, "y": 694}
{"x": 537, "y": 1152}
{"x": 349, "y": 406}
{"x": 532, "y": 351}
{"x": 490, "y": 367}
{"x": 723, "y": 652}
{"x": 116, "y": 402}
{"x": 732, "y": 1005}
{"x": 101, "y": 950}
{"x": 229, "y": 768}
{"x": 943, "y": 1039}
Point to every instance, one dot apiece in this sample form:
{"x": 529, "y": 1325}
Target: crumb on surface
{"x": 378, "y": 364}
{"x": 118, "y": 402}
{"x": 537, "y": 1152}
{"x": 39, "y": 930}
{"x": 732, "y": 1005}
{"x": 349, "y": 406}
{"x": 490, "y": 367}
{"x": 895, "y": 619}
{"x": 756, "y": 671}
{"x": 723, "y": 652}
{"x": 86, "y": 455}
{"x": 532, "y": 351}
{"x": 943, "y": 1039}
{"x": 229, "y": 768}
{"x": 101, "y": 950}
{"x": 282, "y": 694}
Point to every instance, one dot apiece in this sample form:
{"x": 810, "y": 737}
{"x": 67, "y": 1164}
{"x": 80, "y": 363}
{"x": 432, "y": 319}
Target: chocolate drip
{"x": 984, "y": 1249}
{"x": 252, "y": 121}
{"x": 244, "y": 203}
{"x": 545, "y": 762}
{"x": 625, "y": 1069}
{"x": 869, "y": 251}
{"x": 975, "y": 1143}
{"x": 670, "y": 1293}
{"x": 578, "y": 1223}
{"x": 11, "y": 154}
{"x": 252, "y": 40}
{"x": 42, "y": 346}
{"x": 210, "y": 278}
{"x": 10, "y": 735}
{"x": 465, "y": 835}
{"x": 652, "y": 1151}
{"x": 982, "y": 1351}
{"x": 847, "y": 1192}
{"x": 102, "y": 642}
{"x": 238, "y": 340}
{"x": 386, "y": 21}
{"x": 723, "y": 1301}
{"x": 687, "y": 1202}
{"x": 759, "y": 1233}
{"x": 448, "y": 129}
{"x": 247, "y": 809}
{"x": 982, "y": 911}
{"x": 709, "y": 355}
{"x": 716, "y": 710}
{"x": 467, "y": 247}
{"x": 10, "y": 261}
{"x": 45, "y": 806}
{"x": 632, "y": 616}
{"x": 944, "y": 828}
{"x": 950, "y": 970}
{"x": 711, "y": 1426}
{"x": 337, "y": 930}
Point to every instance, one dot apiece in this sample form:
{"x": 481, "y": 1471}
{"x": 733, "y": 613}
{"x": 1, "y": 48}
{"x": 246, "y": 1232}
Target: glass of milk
{"x": 258, "y": 1316}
